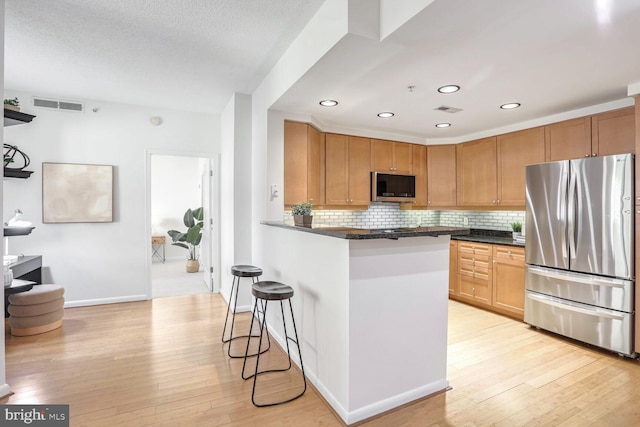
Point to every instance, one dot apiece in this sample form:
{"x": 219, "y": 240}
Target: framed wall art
{"x": 77, "y": 193}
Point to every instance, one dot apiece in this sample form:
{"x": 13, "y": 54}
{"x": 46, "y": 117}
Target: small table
{"x": 157, "y": 243}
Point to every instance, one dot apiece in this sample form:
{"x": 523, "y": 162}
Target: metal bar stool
{"x": 239, "y": 271}
{"x": 265, "y": 291}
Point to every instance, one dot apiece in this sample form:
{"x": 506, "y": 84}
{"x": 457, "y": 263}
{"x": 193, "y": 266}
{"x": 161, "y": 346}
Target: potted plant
{"x": 302, "y": 214}
{"x": 517, "y": 229}
{"x": 12, "y": 104}
{"x": 191, "y": 238}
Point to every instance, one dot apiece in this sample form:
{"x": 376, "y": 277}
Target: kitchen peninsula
{"x": 371, "y": 310}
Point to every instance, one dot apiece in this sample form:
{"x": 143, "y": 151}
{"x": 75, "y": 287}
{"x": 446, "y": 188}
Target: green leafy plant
{"x": 14, "y": 102}
{"x": 191, "y": 238}
{"x": 516, "y": 226}
{"x": 301, "y": 208}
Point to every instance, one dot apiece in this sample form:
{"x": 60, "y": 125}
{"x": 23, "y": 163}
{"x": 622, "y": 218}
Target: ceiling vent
{"x": 58, "y": 105}
{"x": 448, "y": 109}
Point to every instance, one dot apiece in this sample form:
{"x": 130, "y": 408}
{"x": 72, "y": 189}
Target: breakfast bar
{"x": 371, "y": 307}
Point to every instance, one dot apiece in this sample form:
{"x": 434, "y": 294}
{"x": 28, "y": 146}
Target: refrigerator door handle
{"x": 571, "y": 214}
{"x": 596, "y": 313}
{"x": 563, "y": 221}
{"x": 612, "y": 283}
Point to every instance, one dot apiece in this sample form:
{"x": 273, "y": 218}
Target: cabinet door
{"x": 402, "y": 158}
{"x": 441, "y": 175}
{"x": 453, "y": 267}
{"x": 419, "y": 154}
{"x": 508, "y": 279}
{"x": 570, "y": 139}
{"x": 477, "y": 173}
{"x": 516, "y": 150}
{"x": 336, "y": 169}
{"x": 381, "y": 156}
{"x": 295, "y": 162}
{"x": 613, "y": 132}
{"x": 302, "y": 164}
{"x": 359, "y": 171}
{"x": 391, "y": 157}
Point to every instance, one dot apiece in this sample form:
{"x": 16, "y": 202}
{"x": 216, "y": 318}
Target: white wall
{"x": 175, "y": 187}
{"x": 99, "y": 263}
{"x": 4, "y": 387}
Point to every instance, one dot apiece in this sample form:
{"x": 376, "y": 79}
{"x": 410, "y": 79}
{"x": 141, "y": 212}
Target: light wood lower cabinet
{"x": 475, "y": 272}
{"x": 488, "y": 276}
{"x": 454, "y": 288}
{"x": 508, "y": 280}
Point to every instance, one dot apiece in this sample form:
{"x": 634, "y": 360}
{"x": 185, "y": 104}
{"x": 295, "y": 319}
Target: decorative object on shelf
{"x": 12, "y": 104}
{"x": 15, "y": 171}
{"x": 517, "y": 229}
{"x": 302, "y": 214}
{"x": 76, "y": 193}
{"x": 190, "y": 240}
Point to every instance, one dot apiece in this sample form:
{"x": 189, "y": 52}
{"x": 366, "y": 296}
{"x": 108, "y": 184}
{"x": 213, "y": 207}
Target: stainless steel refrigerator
{"x": 580, "y": 250}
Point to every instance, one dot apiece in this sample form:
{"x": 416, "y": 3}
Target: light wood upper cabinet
{"x": 613, "y": 132}
{"x": 391, "y": 157}
{"x": 516, "y": 150}
{"x": 302, "y": 164}
{"x": 347, "y": 170}
{"x": 419, "y": 153}
{"x": 570, "y": 139}
{"x": 441, "y": 175}
{"x": 508, "y": 279}
{"x": 477, "y": 173}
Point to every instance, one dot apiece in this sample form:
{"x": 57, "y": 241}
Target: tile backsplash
{"x": 389, "y": 215}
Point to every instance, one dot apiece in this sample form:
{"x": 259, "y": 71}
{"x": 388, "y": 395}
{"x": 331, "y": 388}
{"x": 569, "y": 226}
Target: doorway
{"x": 175, "y": 183}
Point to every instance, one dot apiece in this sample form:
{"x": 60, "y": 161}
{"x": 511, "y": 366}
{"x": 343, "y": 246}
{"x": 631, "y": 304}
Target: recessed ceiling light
{"x": 328, "y": 103}
{"x": 510, "y": 105}
{"x": 385, "y": 115}
{"x": 443, "y": 125}
{"x": 449, "y": 89}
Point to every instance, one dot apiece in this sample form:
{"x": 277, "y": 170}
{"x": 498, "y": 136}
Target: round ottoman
{"x": 36, "y": 311}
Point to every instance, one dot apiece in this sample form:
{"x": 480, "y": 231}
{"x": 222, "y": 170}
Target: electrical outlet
{"x": 465, "y": 220}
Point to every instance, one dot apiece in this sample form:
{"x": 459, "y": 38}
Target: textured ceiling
{"x": 552, "y": 56}
{"x": 189, "y": 53}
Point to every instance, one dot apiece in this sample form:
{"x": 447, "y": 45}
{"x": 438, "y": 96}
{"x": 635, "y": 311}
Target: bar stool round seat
{"x": 238, "y": 271}
{"x": 246, "y": 271}
{"x": 265, "y": 291}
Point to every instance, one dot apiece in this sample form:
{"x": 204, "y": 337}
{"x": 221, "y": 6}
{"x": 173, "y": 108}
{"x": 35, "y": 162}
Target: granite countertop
{"x": 494, "y": 237}
{"x": 364, "y": 233}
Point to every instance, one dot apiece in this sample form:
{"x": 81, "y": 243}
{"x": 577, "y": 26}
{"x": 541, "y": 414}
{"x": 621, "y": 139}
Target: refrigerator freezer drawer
{"x": 615, "y": 294}
{"x": 598, "y": 326}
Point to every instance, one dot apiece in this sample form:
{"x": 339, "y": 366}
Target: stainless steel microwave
{"x": 386, "y": 187}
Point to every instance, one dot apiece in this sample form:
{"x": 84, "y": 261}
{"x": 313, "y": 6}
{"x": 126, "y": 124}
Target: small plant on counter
{"x": 516, "y": 227}
{"x": 302, "y": 214}
{"x": 301, "y": 208}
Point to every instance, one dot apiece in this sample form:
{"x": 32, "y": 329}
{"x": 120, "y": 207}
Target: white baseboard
{"x": 114, "y": 300}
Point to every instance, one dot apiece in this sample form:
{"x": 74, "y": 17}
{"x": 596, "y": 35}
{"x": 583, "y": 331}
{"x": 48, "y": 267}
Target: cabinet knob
{"x": 498, "y": 201}
{"x": 587, "y": 155}
{"x": 310, "y": 200}
{"x": 508, "y": 252}
{"x": 594, "y": 154}
{"x": 429, "y": 202}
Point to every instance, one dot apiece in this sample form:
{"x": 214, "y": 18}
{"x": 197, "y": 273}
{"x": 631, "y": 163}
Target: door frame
{"x": 214, "y": 160}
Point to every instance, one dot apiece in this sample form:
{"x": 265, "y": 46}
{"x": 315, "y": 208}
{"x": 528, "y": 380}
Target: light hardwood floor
{"x": 161, "y": 362}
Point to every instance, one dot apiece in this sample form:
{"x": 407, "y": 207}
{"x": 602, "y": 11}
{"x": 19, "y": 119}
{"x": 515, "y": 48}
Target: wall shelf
{"x": 17, "y": 231}
{"x": 12, "y": 117}
{"x": 12, "y": 173}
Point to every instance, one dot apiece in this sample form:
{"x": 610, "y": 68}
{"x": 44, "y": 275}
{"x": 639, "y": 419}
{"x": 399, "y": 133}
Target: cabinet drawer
{"x": 474, "y": 248}
{"x": 510, "y": 253}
